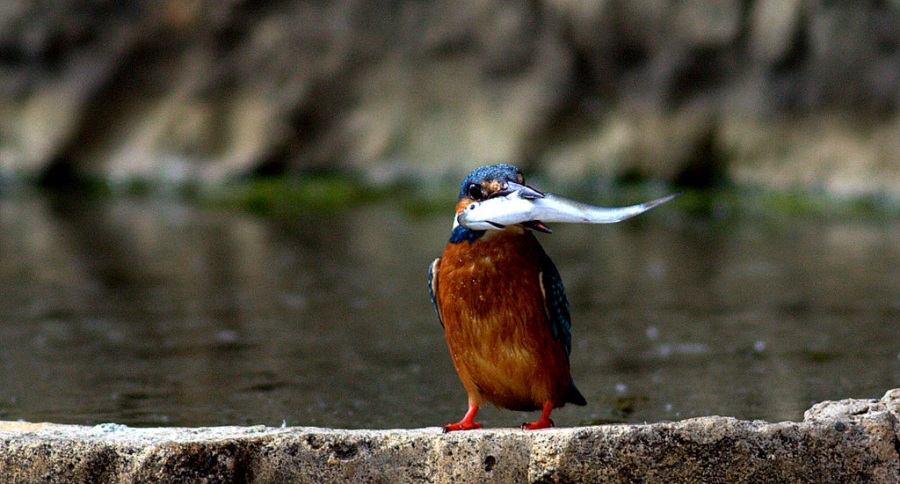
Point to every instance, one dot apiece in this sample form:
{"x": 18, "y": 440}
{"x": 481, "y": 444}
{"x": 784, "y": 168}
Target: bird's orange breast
{"x": 492, "y": 306}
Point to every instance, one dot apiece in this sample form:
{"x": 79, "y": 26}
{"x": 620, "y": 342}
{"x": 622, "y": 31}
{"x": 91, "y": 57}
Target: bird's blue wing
{"x": 557, "y": 305}
{"x": 433, "y": 269}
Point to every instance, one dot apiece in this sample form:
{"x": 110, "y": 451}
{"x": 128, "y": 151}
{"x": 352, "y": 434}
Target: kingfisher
{"x": 500, "y": 298}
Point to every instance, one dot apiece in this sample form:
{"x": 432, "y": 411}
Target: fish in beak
{"x": 521, "y": 204}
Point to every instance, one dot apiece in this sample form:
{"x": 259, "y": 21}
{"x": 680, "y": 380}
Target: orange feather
{"x": 491, "y": 303}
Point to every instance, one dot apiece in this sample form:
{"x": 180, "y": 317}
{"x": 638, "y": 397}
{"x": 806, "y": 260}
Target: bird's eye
{"x": 474, "y": 192}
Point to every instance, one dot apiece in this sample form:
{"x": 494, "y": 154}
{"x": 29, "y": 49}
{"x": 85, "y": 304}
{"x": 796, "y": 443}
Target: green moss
{"x": 753, "y": 202}
{"x": 820, "y": 356}
{"x": 626, "y": 405}
{"x": 873, "y": 205}
{"x": 711, "y": 203}
{"x": 619, "y": 410}
{"x": 795, "y": 203}
{"x": 288, "y": 196}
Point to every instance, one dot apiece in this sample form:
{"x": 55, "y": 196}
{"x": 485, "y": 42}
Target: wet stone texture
{"x": 845, "y": 441}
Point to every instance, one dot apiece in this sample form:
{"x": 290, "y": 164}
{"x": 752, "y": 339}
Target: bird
{"x": 503, "y": 307}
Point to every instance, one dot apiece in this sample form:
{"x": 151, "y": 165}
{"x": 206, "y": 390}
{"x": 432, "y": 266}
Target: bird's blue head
{"x": 486, "y": 181}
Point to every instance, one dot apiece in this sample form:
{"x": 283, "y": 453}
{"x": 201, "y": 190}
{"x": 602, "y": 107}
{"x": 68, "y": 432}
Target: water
{"x": 154, "y": 313}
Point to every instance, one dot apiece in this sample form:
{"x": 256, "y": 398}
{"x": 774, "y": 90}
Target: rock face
{"x": 185, "y": 90}
{"x": 846, "y": 441}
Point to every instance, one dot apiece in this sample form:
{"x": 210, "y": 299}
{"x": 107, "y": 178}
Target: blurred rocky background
{"x": 783, "y": 94}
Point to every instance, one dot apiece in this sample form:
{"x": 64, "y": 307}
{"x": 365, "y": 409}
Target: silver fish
{"x": 535, "y": 208}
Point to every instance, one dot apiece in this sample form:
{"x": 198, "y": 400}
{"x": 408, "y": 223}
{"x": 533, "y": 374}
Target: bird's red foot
{"x": 462, "y": 425}
{"x": 467, "y": 423}
{"x": 543, "y": 422}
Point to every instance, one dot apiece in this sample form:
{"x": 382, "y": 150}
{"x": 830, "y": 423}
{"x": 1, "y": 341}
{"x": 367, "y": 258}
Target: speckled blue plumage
{"x": 557, "y": 305}
{"x": 491, "y": 172}
{"x": 461, "y": 234}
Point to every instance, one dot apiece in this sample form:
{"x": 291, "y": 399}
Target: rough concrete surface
{"x": 845, "y": 441}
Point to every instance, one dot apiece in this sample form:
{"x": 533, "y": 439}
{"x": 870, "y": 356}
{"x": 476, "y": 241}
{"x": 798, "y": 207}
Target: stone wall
{"x": 781, "y": 93}
{"x": 846, "y": 441}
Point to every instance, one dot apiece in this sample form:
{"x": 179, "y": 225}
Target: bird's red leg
{"x": 543, "y": 422}
{"x": 467, "y": 423}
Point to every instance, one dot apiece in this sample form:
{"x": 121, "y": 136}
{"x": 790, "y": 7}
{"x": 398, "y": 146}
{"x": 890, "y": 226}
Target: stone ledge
{"x": 845, "y": 441}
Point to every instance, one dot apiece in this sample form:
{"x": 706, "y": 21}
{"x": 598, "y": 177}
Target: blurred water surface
{"x": 148, "y": 312}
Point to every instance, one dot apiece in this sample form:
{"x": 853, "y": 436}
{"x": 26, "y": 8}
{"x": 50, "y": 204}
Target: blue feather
{"x": 461, "y": 233}
{"x": 490, "y": 172}
{"x": 432, "y": 285}
{"x": 556, "y": 304}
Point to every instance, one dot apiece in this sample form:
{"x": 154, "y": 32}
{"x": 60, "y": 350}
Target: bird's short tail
{"x": 574, "y": 397}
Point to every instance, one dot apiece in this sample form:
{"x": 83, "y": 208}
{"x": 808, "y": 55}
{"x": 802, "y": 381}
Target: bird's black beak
{"x": 528, "y": 193}
{"x": 525, "y": 191}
